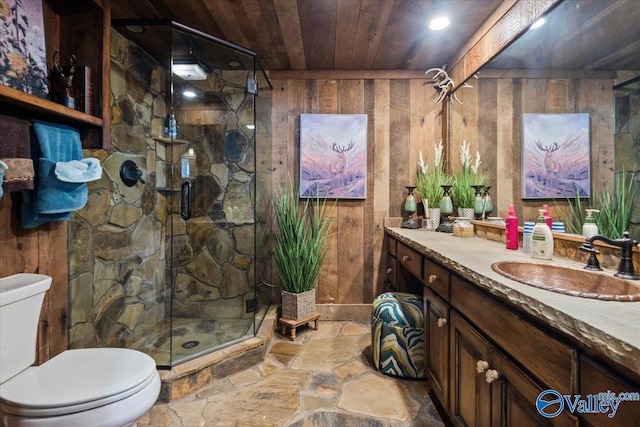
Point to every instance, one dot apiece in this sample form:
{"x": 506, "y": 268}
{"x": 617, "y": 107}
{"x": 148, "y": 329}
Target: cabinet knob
{"x": 481, "y": 366}
{"x": 441, "y": 322}
{"x": 389, "y": 270}
{"x": 432, "y": 278}
{"x": 492, "y": 375}
{"x": 405, "y": 258}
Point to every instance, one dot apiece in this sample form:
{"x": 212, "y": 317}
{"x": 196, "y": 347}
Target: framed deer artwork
{"x": 333, "y": 156}
{"x": 555, "y": 156}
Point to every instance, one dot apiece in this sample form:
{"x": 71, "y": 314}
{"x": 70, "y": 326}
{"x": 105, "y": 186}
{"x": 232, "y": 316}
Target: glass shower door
{"x": 212, "y": 208}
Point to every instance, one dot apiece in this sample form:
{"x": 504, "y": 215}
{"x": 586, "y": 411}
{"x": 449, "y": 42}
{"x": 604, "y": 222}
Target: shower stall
{"x": 166, "y": 256}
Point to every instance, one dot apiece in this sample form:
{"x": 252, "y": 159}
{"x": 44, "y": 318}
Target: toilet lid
{"x": 86, "y": 378}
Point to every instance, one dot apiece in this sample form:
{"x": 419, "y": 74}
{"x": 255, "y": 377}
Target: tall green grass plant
{"x": 616, "y": 208}
{"x": 301, "y": 232}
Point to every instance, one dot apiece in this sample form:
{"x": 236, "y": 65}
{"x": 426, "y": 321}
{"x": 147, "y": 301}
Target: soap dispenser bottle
{"x": 511, "y": 229}
{"x": 590, "y": 228}
{"x": 541, "y": 238}
{"x": 547, "y": 218}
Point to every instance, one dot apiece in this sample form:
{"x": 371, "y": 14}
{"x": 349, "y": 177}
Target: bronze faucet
{"x": 626, "y": 244}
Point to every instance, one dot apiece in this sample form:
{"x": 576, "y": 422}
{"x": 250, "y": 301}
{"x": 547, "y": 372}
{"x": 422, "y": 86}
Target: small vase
{"x": 488, "y": 203}
{"x": 465, "y": 213}
{"x": 478, "y": 205}
{"x": 410, "y": 207}
{"x": 434, "y": 217}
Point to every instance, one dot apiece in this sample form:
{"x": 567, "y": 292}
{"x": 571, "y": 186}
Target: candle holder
{"x": 487, "y": 203}
{"x": 410, "y": 208}
{"x": 446, "y": 209}
{"x": 478, "y": 205}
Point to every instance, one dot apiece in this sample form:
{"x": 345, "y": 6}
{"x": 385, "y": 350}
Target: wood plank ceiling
{"x": 327, "y": 34}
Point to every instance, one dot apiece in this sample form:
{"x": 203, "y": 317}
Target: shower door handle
{"x": 185, "y": 200}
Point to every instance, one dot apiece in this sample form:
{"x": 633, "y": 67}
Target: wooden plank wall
{"x": 39, "y": 250}
{"x": 402, "y": 119}
{"x": 490, "y": 119}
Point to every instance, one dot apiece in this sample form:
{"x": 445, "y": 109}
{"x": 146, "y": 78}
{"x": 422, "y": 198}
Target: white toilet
{"x": 93, "y": 387}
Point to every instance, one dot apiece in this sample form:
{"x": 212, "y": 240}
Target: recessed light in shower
{"x": 189, "y": 93}
{"x": 189, "y": 71}
{"x": 234, "y": 64}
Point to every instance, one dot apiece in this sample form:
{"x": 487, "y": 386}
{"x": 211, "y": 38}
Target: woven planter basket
{"x": 298, "y": 306}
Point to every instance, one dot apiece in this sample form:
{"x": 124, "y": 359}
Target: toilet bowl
{"x": 93, "y": 387}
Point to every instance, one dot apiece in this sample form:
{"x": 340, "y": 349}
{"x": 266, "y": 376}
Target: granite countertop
{"x": 611, "y": 328}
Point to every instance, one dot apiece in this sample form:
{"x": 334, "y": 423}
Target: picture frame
{"x": 333, "y": 156}
{"x": 556, "y": 156}
{"x": 23, "y": 61}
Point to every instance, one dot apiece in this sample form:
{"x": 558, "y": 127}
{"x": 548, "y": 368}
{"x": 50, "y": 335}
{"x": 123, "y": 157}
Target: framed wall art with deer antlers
{"x": 333, "y": 156}
{"x": 555, "y": 156}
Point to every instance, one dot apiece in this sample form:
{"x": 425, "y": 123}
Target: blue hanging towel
{"x": 52, "y": 199}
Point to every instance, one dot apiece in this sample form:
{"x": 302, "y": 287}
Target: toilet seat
{"x": 77, "y": 381}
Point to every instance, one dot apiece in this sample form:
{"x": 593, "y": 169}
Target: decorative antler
{"x": 340, "y": 149}
{"x": 443, "y": 83}
{"x": 550, "y": 148}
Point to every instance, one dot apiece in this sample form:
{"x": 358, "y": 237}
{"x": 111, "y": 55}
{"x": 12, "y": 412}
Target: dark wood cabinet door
{"x": 391, "y": 281}
{"x": 436, "y": 314}
{"x": 596, "y": 379}
{"x": 513, "y": 398}
{"x": 470, "y": 403}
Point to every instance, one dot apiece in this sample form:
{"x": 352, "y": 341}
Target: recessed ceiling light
{"x": 439, "y": 23}
{"x": 537, "y": 24}
{"x": 234, "y": 64}
{"x": 189, "y": 94}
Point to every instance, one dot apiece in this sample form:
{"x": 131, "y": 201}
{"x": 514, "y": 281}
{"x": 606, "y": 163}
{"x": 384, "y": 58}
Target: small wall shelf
{"x": 45, "y": 108}
{"x": 166, "y": 140}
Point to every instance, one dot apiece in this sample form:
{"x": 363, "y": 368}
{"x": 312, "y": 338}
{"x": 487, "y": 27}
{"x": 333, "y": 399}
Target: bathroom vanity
{"x": 494, "y": 344}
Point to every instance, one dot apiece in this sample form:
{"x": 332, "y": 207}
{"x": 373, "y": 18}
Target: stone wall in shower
{"x": 117, "y": 248}
{"x": 129, "y": 243}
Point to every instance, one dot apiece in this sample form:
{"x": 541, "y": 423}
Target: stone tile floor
{"x": 323, "y": 378}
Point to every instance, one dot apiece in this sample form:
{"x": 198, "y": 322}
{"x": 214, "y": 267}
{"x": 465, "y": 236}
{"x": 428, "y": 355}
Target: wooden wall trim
{"x": 486, "y": 27}
{"x": 106, "y": 74}
{"x": 547, "y": 74}
{"x": 345, "y": 74}
{"x": 491, "y": 39}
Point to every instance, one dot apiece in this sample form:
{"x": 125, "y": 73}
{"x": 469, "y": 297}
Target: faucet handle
{"x": 587, "y": 246}
{"x": 592, "y": 264}
{"x": 626, "y": 236}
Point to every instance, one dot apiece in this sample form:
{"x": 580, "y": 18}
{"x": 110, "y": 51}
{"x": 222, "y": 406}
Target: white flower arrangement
{"x": 462, "y": 192}
{"x": 428, "y": 182}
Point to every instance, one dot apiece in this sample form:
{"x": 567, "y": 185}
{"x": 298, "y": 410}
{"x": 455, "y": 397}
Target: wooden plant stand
{"x": 285, "y": 323}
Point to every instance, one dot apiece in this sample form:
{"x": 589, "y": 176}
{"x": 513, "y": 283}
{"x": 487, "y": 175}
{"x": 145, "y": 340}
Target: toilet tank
{"x": 21, "y": 297}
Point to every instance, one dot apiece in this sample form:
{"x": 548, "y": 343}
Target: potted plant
{"x": 301, "y": 231}
{"x": 616, "y": 207}
{"x": 429, "y": 182}
{"x": 462, "y": 191}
